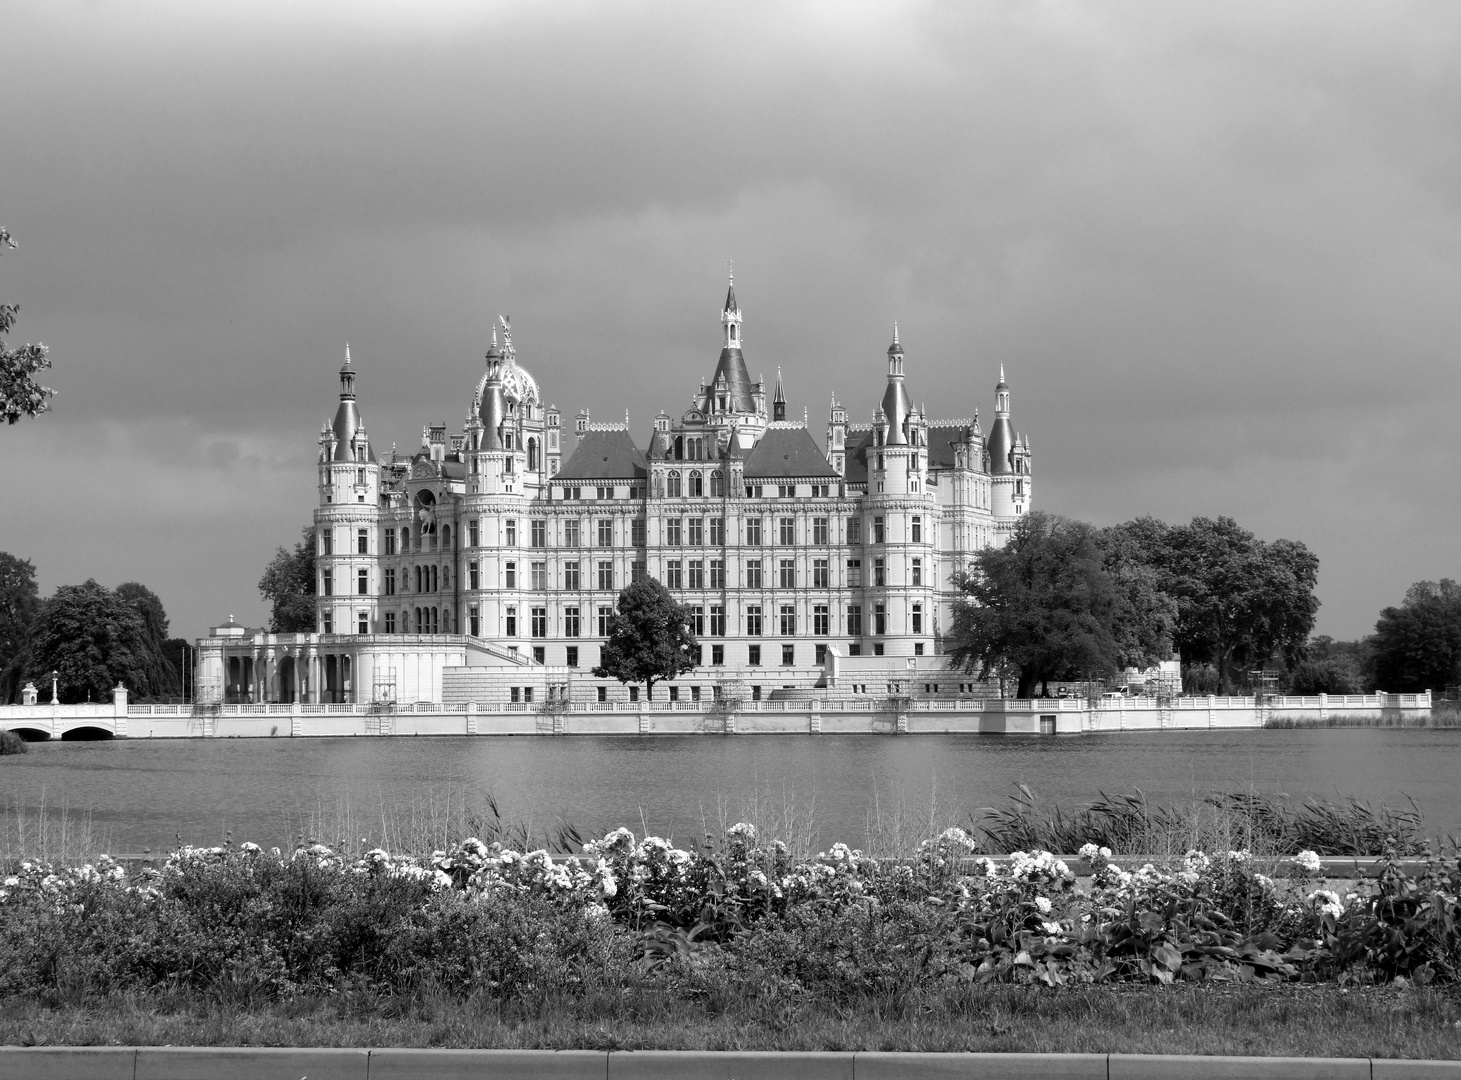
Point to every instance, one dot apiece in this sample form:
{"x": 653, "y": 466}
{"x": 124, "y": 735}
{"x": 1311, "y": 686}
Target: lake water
{"x": 143, "y": 793}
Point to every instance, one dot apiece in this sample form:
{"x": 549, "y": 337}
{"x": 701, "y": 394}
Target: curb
{"x": 290, "y": 1063}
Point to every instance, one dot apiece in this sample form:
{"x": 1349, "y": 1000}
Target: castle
{"x": 500, "y": 549}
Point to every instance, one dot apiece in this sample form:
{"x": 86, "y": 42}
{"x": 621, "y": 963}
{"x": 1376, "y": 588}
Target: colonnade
{"x": 279, "y": 675}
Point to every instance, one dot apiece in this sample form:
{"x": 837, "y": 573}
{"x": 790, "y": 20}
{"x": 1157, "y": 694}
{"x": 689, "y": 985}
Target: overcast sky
{"x": 1217, "y": 248}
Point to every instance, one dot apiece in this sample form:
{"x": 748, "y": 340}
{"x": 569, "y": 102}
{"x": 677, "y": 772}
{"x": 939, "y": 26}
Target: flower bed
{"x": 481, "y": 919}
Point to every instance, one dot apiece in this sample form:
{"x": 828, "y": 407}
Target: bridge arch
{"x": 87, "y": 733}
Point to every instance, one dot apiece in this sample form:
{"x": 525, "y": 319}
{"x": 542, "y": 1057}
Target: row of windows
{"x": 692, "y": 532}
{"x": 705, "y": 622}
{"x": 696, "y": 574}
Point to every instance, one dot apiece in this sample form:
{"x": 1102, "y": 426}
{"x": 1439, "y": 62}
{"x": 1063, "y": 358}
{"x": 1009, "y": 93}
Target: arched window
{"x": 417, "y": 623}
{"x": 446, "y": 538}
{"x": 672, "y": 485}
{"x": 507, "y": 440}
{"x": 434, "y": 580}
{"x": 418, "y": 579}
{"x": 697, "y": 484}
{"x": 717, "y": 485}
{"x": 446, "y": 577}
{"x": 405, "y": 539}
{"x": 435, "y": 624}
{"x": 446, "y": 620}
{"x": 679, "y": 448}
{"x": 532, "y": 453}
{"x": 733, "y": 331}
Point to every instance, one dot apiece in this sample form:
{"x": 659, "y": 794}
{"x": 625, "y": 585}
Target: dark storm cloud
{"x": 1216, "y": 247}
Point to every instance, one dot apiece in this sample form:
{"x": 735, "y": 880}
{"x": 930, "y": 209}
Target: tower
{"x": 778, "y": 403}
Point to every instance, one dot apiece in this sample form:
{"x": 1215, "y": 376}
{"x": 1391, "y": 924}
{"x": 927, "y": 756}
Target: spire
{"x": 778, "y": 403}
{"x": 896, "y": 404}
{"x": 730, "y": 295}
{"x": 895, "y": 331}
{"x": 347, "y": 377}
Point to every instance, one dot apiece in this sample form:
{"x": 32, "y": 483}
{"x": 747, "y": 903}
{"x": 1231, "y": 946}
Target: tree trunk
{"x": 1026, "y": 686}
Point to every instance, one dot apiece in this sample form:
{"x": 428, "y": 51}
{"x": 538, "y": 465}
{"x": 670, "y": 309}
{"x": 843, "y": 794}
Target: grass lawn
{"x": 1312, "y": 1020}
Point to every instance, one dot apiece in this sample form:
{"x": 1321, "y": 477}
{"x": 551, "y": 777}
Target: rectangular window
{"x": 390, "y": 539}
{"x": 636, "y": 532}
{"x": 787, "y": 568}
{"x": 571, "y": 533}
{"x": 603, "y": 693}
{"x": 697, "y": 621}
{"x": 787, "y": 531}
{"x": 697, "y": 573}
{"x": 516, "y": 694}
{"x": 511, "y": 572}
{"x": 512, "y": 621}
{"x": 606, "y": 532}
{"x": 753, "y": 532}
{"x": 327, "y": 541}
{"x": 755, "y": 693}
{"x": 637, "y": 570}
{"x": 362, "y": 583}
{"x": 634, "y": 693}
{"x": 605, "y": 614}
{"x": 511, "y": 540}
{"x": 855, "y": 649}
{"x": 753, "y": 621}
{"x": 570, "y": 656}
{"x": 474, "y": 621}
{"x": 820, "y": 530}
{"x": 918, "y": 571}
{"x": 474, "y": 533}
{"x": 362, "y": 622}
{"x": 877, "y": 530}
{"x": 821, "y": 620}
{"x": 606, "y": 574}
{"x": 474, "y": 575}
{"x": 673, "y": 578}
{"x": 753, "y": 658}
{"x": 821, "y": 654}
{"x": 786, "y": 491}
{"x": 540, "y": 622}
{"x": 604, "y": 493}
{"x": 854, "y": 530}
{"x": 918, "y": 651}
{"x": 539, "y": 532}
{"x": 540, "y": 575}
{"x": 788, "y": 655}
{"x": 362, "y": 541}
{"x": 918, "y": 618}
{"x": 570, "y": 622}
{"x": 788, "y": 620}
{"x": 717, "y": 573}
{"x": 327, "y": 623}
{"x": 717, "y": 532}
{"x": 877, "y": 648}
{"x": 880, "y": 620}
{"x": 917, "y": 529}
{"x": 672, "y": 532}
{"x": 753, "y": 573}
{"x": 696, "y": 529}
{"x": 540, "y": 655}
{"x": 717, "y": 655}
{"x": 879, "y": 575}
{"x": 717, "y": 620}
{"x": 694, "y": 693}
{"x": 390, "y": 622}
{"x": 854, "y": 573}
{"x": 821, "y": 576}
{"x": 570, "y": 575}
{"x": 391, "y": 581}
{"x": 329, "y": 582}
{"x": 674, "y": 693}
{"x": 854, "y": 620}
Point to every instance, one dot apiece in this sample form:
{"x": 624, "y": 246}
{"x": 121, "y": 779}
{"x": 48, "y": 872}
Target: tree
{"x": 1418, "y": 645}
{"x": 19, "y": 605}
{"x": 160, "y": 678}
{"x": 289, "y": 586}
{"x": 1060, "y": 600}
{"x": 93, "y": 639}
{"x": 650, "y": 638}
{"x": 1240, "y": 600}
{"x": 20, "y": 394}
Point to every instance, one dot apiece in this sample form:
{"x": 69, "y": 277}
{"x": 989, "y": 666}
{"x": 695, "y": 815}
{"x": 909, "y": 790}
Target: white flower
{"x": 1308, "y": 861}
{"x": 1042, "y": 905}
{"x": 1051, "y": 927}
{"x": 1326, "y": 902}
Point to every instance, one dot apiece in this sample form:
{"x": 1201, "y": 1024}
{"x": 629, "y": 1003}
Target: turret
{"x": 837, "y": 438}
{"x": 896, "y": 406}
{"x": 778, "y": 403}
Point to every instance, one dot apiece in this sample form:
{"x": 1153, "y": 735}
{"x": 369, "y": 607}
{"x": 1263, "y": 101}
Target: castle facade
{"x": 508, "y": 541}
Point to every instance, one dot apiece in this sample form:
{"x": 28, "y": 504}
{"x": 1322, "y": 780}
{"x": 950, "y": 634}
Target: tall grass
{"x": 55, "y": 834}
{"x": 1217, "y": 821}
{"x": 1443, "y": 715}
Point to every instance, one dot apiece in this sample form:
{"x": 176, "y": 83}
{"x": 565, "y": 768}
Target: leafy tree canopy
{"x": 1060, "y": 600}
{"x": 19, "y": 605}
{"x": 1240, "y": 600}
{"x": 1417, "y": 646}
{"x": 94, "y": 639}
{"x": 161, "y": 676}
{"x": 650, "y": 638}
{"x": 289, "y": 586}
{"x": 20, "y": 394}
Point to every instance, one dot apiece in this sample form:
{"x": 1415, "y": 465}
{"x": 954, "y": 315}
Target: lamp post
{"x": 55, "y": 676}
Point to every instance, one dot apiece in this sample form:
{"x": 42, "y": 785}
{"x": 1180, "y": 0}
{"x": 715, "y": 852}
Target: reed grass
{"x": 50, "y": 833}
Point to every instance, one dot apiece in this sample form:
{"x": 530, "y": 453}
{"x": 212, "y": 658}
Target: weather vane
{"x": 730, "y": 269}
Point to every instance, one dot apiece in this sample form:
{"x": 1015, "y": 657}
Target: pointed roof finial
{"x": 1001, "y": 373}
{"x": 730, "y": 269}
{"x": 895, "y": 331}
{"x": 779, "y": 395}
{"x": 347, "y": 360}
